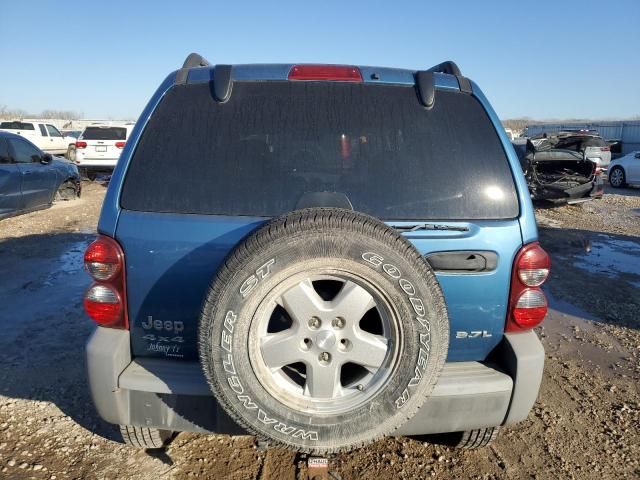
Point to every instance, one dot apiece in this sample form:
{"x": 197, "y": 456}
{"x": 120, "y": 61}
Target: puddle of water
{"x": 70, "y": 261}
{"x": 611, "y": 257}
{"x": 568, "y": 329}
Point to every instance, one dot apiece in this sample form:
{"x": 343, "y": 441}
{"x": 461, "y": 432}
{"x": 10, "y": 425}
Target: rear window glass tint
{"x": 273, "y": 144}
{"x": 17, "y": 126}
{"x": 104, "y": 133}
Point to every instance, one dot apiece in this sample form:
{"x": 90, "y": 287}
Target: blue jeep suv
{"x": 319, "y": 255}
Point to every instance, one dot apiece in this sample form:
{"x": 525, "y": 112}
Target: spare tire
{"x": 323, "y": 330}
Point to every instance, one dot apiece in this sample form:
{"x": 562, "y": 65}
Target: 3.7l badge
{"x": 473, "y": 334}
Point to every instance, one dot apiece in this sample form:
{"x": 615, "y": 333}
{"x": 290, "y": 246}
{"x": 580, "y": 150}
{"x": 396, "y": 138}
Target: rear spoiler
{"x": 222, "y": 82}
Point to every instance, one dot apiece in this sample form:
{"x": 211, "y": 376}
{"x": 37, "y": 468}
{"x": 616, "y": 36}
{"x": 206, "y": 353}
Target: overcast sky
{"x": 542, "y": 59}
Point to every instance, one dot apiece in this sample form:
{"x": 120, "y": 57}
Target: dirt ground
{"x": 586, "y": 423}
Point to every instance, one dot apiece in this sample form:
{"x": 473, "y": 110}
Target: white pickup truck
{"x": 44, "y": 135}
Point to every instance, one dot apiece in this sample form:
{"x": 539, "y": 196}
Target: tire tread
{"x": 144, "y": 437}
{"x": 478, "y": 438}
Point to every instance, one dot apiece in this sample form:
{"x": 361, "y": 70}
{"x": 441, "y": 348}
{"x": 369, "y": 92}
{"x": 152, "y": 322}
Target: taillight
{"x": 105, "y": 301}
{"x": 103, "y": 259}
{"x": 532, "y": 264}
{"x": 340, "y": 73}
{"x": 120, "y": 144}
{"x": 103, "y": 304}
{"x": 605, "y": 149}
{"x": 81, "y": 144}
{"x": 527, "y": 302}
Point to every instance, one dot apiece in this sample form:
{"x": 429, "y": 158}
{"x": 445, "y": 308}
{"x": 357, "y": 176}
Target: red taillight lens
{"x": 340, "y": 73}
{"x": 103, "y": 304}
{"x": 605, "y": 149}
{"x": 120, "y": 144}
{"x": 533, "y": 265}
{"x": 530, "y": 309}
{"x": 103, "y": 258}
{"x": 105, "y": 301}
{"x": 527, "y": 303}
{"x": 81, "y": 144}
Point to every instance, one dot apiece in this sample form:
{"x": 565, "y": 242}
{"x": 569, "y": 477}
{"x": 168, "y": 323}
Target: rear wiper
{"x": 429, "y": 226}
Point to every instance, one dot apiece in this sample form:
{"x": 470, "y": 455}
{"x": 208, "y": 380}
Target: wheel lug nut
{"x": 338, "y": 322}
{"x": 324, "y": 357}
{"x": 314, "y": 322}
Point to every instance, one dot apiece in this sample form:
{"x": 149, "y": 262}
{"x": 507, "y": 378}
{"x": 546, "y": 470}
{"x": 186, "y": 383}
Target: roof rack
{"x": 425, "y": 81}
{"x": 221, "y": 75}
{"x": 446, "y": 67}
{"x": 193, "y": 60}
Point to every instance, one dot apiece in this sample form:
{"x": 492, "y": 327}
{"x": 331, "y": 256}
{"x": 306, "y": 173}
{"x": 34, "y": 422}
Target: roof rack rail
{"x": 192, "y": 60}
{"x": 222, "y": 82}
{"x": 446, "y": 67}
{"x": 195, "y": 60}
{"x": 426, "y": 84}
{"x": 425, "y": 81}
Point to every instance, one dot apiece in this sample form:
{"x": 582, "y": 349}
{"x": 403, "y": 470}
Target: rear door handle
{"x": 463, "y": 261}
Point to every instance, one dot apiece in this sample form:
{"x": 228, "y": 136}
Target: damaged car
{"x": 558, "y": 174}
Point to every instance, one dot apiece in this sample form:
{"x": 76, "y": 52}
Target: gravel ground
{"x": 585, "y": 424}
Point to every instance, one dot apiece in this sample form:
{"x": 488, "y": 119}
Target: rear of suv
{"x": 318, "y": 255}
{"x": 99, "y": 146}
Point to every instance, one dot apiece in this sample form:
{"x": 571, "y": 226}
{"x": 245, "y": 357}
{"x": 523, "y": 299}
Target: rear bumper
{"x": 173, "y": 395}
{"x": 103, "y": 164}
{"x": 86, "y": 160}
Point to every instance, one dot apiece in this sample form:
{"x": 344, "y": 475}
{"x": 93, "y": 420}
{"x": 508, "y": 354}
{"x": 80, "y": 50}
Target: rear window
{"x": 104, "y": 133}
{"x": 17, "y": 126}
{"x": 275, "y": 143}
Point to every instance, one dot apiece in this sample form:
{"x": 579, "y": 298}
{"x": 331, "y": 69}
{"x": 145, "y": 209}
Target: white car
{"x": 44, "y": 135}
{"x": 625, "y": 170}
{"x": 99, "y": 146}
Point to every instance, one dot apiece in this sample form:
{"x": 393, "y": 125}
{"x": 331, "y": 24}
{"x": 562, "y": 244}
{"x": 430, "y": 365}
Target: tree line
{"x": 16, "y": 113}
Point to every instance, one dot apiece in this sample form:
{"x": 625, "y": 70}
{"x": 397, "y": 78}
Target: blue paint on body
{"x": 171, "y": 259}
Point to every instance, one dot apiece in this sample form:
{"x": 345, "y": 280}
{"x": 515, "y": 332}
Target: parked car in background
{"x": 625, "y": 170}
{"x": 71, "y": 133}
{"x": 585, "y": 142}
{"x": 615, "y": 147}
{"x": 71, "y": 152}
{"x": 31, "y": 179}
{"x": 558, "y": 174}
{"x": 45, "y": 136}
{"x": 311, "y": 270}
{"x": 99, "y": 146}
